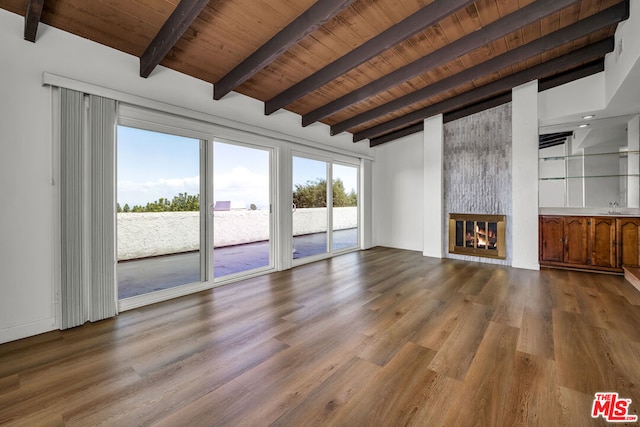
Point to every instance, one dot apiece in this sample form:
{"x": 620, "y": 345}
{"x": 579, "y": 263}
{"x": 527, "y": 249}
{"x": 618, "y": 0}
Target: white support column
{"x": 524, "y": 224}
{"x": 433, "y": 187}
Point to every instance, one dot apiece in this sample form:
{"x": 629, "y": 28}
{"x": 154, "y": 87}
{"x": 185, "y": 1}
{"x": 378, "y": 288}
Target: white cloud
{"x": 242, "y": 185}
{"x": 140, "y": 193}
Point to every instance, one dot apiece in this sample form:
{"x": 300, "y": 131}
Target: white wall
{"x": 27, "y": 255}
{"x": 525, "y": 176}
{"x": 26, "y": 252}
{"x": 433, "y": 186}
{"x": 579, "y": 96}
{"x": 619, "y": 63}
{"x": 398, "y": 193}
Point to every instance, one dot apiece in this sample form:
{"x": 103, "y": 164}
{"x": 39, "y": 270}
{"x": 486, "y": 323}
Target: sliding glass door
{"x": 345, "y": 207}
{"x": 242, "y": 209}
{"x": 158, "y": 213}
{"x": 324, "y": 218}
{"x": 309, "y": 209}
{"x": 196, "y": 211}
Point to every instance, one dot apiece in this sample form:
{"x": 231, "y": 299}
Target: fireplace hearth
{"x": 477, "y": 235}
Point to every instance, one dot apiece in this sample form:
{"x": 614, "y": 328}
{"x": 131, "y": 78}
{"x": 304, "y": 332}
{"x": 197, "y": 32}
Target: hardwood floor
{"x": 376, "y": 338}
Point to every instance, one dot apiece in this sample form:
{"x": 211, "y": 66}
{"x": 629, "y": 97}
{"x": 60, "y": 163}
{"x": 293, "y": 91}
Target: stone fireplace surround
{"x": 477, "y": 172}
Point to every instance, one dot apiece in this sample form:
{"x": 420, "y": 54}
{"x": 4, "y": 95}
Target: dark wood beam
{"x": 181, "y": 19}
{"x": 553, "y": 139}
{"x": 571, "y": 75}
{"x": 543, "y": 84}
{"x": 447, "y": 117}
{"x": 477, "y": 107}
{"x": 568, "y": 61}
{"x": 397, "y": 134}
{"x": 424, "y": 18}
{"x": 32, "y": 19}
{"x": 604, "y": 19}
{"x": 500, "y": 28}
{"x": 312, "y": 19}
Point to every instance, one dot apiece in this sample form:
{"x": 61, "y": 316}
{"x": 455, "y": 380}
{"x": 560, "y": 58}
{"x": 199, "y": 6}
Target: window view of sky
{"x": 241, "y": 175}
{"x": 154, "y": 165}
{"x": 311, "y": 170}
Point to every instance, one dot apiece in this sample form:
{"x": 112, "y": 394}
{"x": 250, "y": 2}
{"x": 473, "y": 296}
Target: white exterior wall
{"x": 27, "y": 223}
{"x": 160, "y": 233}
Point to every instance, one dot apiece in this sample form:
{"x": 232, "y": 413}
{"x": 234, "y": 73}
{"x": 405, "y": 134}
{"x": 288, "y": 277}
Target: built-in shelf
{"x": 555, "y": 178}
{"x": 620, "y": 154}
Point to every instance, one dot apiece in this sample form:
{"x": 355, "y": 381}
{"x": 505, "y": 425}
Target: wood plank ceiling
{"x": 375, "y": 68}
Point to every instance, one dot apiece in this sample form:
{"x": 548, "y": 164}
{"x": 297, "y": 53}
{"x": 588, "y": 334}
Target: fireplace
{"x": 477, "y": 235}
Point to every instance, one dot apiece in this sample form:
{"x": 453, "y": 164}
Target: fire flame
{"x": 483, "y": 239}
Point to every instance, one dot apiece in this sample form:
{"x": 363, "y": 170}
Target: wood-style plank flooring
{"x": 376, "y": 338}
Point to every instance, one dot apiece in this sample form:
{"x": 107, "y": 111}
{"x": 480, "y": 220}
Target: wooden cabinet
{"x": 597, "y": 243}
{"x": 602, "y": 242}
{"x": 564, "y": 240}
{"x": 551, "y": 232}
{"x": 576, "y": 240}
{"x": 628, "y": 238}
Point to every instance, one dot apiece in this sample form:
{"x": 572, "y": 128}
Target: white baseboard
{"x": 27, "y": 330}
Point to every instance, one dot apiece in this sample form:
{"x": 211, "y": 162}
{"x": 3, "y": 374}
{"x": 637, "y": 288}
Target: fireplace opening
{"x": 477, "y": 235}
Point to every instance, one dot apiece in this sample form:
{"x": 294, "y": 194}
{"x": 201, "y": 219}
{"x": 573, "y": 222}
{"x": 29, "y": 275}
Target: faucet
{"x": 613, "y": 208}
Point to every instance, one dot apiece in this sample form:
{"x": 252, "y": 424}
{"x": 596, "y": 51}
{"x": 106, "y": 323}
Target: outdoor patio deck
{"x": 137, "y": 277}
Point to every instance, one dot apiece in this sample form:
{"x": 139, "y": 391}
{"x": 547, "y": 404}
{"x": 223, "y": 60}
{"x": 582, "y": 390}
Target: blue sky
{"x": 152, "y": 165}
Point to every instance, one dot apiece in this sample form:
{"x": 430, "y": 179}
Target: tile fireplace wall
{"x": 477, "y": 171}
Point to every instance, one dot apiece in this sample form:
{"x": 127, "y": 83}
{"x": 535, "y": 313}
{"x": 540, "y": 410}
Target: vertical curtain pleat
{"x": 97, "y": 299}
{"x": 103, "y": 299}
{"x": 71, "y": 208}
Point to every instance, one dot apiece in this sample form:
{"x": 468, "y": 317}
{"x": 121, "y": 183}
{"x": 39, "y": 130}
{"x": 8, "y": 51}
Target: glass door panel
{"x": 241, "y": 211}
{"x": 345, "y": 207}
{"x": 158, "y": 219}
{"x": 310, "y": 219}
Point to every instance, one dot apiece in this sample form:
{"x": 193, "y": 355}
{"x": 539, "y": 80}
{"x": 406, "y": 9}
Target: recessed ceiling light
{"x": 586, "y": 125}
{"x": 589, "y": 116}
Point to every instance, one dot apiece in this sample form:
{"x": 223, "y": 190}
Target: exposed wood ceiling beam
{"x": 447, "y": 117}
{"x": 543, "y": 84}
{"x": 424, "y": 18}
{"x": 571, "y": 75}
{"x": 582, "y": 28}
{"x": 175, "y": 26}
{"x": 397, "y": 134}
{"x": 500, "y": 28}
{"x": 570, "y": 60}
{"x": 312, "y": 19}
{"x": 477, "y": 107}
{"x": 553, "y": 139}
{"x": 552, "y": 144}
{"x": 32, "y": 19}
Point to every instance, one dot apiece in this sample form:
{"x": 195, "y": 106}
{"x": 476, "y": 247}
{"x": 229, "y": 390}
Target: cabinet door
{"x": 551, "y": 239}
{"x": 628, "y": 240}
{"x": 576, "y": 232}
{"x": 603, "y": 242}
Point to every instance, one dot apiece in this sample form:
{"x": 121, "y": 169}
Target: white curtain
{"x": 87, "y": 208}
